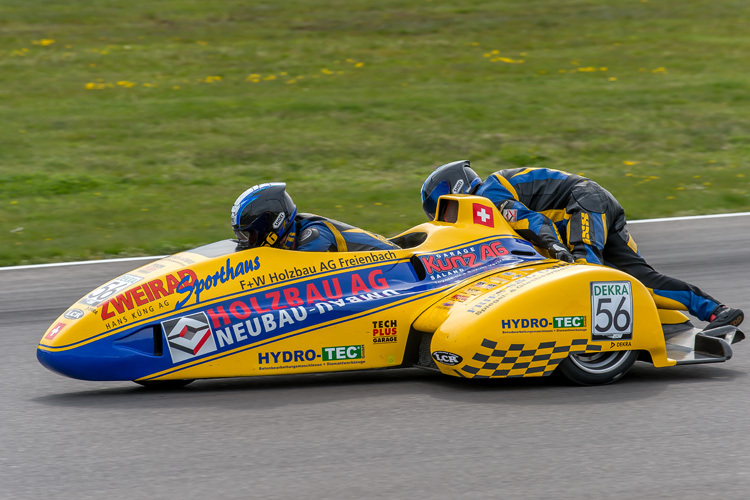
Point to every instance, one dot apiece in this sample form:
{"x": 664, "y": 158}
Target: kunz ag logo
{"x": 447, "y": 358}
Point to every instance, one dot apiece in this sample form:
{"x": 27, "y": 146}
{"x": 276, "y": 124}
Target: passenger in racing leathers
{"x": 575, "y": 219}
{"x": 265, "y": 215}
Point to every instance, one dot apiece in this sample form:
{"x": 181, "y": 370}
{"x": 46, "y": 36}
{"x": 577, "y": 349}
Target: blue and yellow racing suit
{"x": 547, "y": 206}
{"x": 313, "y": 233}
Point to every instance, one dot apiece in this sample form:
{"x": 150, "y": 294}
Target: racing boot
{"x": 724, "y": 315}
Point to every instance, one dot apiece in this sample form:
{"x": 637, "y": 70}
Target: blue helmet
{"x": 263, "y": 215}
{"x": 452, "y": 178}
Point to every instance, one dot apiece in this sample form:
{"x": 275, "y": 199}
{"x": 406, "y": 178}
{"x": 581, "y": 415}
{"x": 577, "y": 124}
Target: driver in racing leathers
{"x": 265, "y": 215}
{"x": 575, "y": 219}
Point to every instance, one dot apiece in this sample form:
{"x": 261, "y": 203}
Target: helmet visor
{"x": 430, "y": 202}
{"x": 251, "y": 235}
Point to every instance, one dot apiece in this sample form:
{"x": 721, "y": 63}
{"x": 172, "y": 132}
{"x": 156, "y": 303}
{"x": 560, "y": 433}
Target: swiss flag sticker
{"x": 55, "y": 330}
{"x": 483, "y": 215}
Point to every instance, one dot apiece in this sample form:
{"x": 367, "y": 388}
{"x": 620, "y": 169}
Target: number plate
{"x": 106, "y": 291}
{"x": 611, "y": 310}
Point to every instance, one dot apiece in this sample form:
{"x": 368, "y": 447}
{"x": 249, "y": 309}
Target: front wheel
{"x": 597, "y": 367}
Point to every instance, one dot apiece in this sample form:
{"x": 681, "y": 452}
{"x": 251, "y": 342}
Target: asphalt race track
{"x": 681, "y": 432}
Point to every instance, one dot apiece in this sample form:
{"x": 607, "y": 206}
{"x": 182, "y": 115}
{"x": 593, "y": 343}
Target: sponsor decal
{"x": 542, "y": 324}
{"x": 562, "y": 322}
{"x": 141, "y": 296}
{"x": 446, "y": 264}
{"x": 151, "y": 268}
{"x": 344, "y": 352}
{"x": 55, "y": 330}
{"x": 511, "y": 215}
{"x": 279, "y": 220}
{"x": 226, "y": 272}
{"x": 180, "y": 259}
{"x": 366, "y": 259}
{"x": 311, "y": 357}
{"x": 73, "y": 314}
{"x": 457, "y": 187}
{"x": 109, "y": 289}
{"x": 585, "y": 228}
{"x": 274, "y": 312}
{"x": 516, "y": 282}
{"x": 483, "y": 215}
{"x": 621, "y": 343}
{"x": 447, "y": 358}
{"x": 611, "y": 311}
{"x": 384, "y": 332}
{"x": 189, "y": 337}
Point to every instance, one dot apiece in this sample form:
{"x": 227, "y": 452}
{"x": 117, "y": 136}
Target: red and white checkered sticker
{"x": 483, "y": 215}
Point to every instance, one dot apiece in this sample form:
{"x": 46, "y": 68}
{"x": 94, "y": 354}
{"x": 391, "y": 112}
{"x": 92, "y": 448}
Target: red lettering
{"x": 106, "y": 314}
{"x": 327, "y": 289}
{"x": 239, "y": 310}
{"x": 472, "y": 260}
{"x": 258, "y": 309}
{"x": 313, "y": 294}
{"x": 158, "y": 288}
{"x": 218, "y": 314}
{"x": 377, "y": 283}
{"x": 429, "y": 264}
{"x": 444, "y": 267}
{"x": 138, "y": 296}
{"x": 457, "y": 261}
{"x": 172, "y": 283}
{"x": 358, "y": 285}
{"x": 275, "y": 297}
{"x": 120, "y": 303}
{"x": 499, "y": 248}
{"x": 486, "y": 252}
{"x": 291, "y": 295}
{"x": 190, "y": 273}
{"x": 149, "y": 295}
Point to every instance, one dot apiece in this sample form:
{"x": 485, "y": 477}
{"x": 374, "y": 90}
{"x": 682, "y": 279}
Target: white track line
{"x": 155, "y": 257}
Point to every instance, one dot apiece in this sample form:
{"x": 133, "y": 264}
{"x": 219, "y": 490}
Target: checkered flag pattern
{"x": 521, "y": 360}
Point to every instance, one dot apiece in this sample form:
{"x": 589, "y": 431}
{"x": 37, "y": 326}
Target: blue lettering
{"x": 262, "y": 358}
{"x": 506, "y": 324}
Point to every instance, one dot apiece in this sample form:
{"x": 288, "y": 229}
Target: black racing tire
{"x": 164, "y": 384}
{"x": 597, "y": 368}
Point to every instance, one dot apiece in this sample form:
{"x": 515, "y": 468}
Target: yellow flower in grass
{"x": 126, "y": 84}
{"x": 359, "y": 65}
{"x": 630, "y": 163}
{"x": 43, "y": 42}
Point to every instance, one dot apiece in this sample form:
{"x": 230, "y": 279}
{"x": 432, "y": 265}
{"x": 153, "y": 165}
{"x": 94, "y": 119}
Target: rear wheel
{"x": 163, "y": 384}
{"x": 597, "y": 367}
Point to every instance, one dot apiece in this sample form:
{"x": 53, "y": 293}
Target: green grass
{"x": 129, "y": 128}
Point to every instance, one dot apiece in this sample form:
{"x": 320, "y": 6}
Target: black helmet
{"x": 263, "y": 215}
{"x": 452, "y": 178}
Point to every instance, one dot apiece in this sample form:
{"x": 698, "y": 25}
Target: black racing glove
{"x": 559, "y": 252}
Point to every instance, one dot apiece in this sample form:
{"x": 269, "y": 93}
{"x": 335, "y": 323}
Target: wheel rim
{"x": 599, "y": 362}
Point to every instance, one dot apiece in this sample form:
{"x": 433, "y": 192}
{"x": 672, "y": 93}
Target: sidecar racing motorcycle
{"x": 464, "y": 295}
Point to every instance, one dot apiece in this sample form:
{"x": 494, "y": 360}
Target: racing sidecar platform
{"x": 464, "y": 295}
